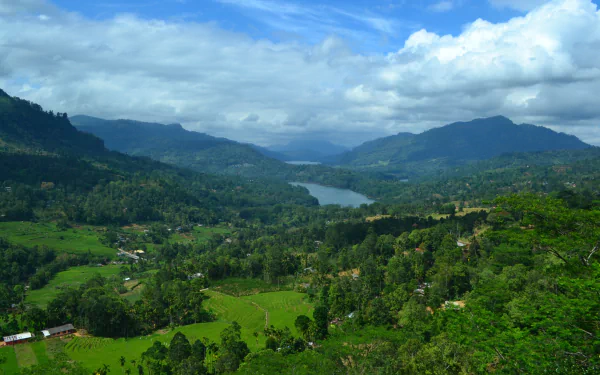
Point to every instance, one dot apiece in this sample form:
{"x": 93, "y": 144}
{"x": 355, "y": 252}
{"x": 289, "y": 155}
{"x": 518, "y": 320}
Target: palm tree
{"x": 122, "y": 361}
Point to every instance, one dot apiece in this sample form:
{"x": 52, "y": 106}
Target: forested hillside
{"x": 454, "y": 144}
{"x": 174, "y": 145}
{"x": 492, "y": 267}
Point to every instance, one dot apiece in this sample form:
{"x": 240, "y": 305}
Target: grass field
{"x": 72, "y": 277}
{"x": 93, "y": 352}
{"x": 25, "y": 355}
{"x": 76, "y": 240}
{"x": 201, "y": 234}
{"x": 10, "y": 366}
{"x": 40, "y": 351}
{"x": 230, "y": 309}
{"x": 283, "y": 307}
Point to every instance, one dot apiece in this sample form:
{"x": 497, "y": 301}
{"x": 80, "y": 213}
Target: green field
{"x": 283, "y": 307}
{"x": 72, "y": 277}
{"x": 25, "y": 355}
{"x": 201, "y": 234}
{"x": 40, "y": 351}
{"x": 250, "y": 312}
{"x": 75, "y": 240}
{"x": 231, "y": 309}
{"x": 10, "y": 366}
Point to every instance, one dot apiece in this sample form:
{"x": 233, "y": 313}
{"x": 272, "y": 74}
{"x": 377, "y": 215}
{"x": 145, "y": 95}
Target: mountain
{"x": 307, "y": 150}
{"x": 49, "y": 170}
{"x": 175, "y": 145}
{"x": 25, "y": 126}
{"x": 454, "y": 144}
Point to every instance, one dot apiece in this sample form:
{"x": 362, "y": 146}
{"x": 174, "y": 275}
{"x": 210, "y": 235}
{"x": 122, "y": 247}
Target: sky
{"x": 269, "y": 71}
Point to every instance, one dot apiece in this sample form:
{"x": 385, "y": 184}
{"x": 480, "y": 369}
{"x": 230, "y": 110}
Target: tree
{"x": 302, "y": 324}
{"x": 233, "y": 350}
{"x": 321, "y": 322}
{"x": 271, "y": 343}
{"x": 122, "y": 362}
{"x": 179, "y": 349}
{"x": 155, "y": 357}
{"x": 199, "y": 350}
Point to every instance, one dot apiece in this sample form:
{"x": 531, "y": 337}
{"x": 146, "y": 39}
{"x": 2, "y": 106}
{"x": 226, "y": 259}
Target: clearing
{"x": 76, "y": 240}
{"x": 72, "y": 277}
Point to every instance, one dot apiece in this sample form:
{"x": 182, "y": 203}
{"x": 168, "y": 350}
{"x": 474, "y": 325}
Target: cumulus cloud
{"x": 542, "y": 68}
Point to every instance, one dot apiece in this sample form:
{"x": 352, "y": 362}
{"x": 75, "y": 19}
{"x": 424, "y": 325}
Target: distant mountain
{"x": 306, "y": 150}
{"x": 60, "y": 172}
{"x": 25, "y": 126}
{"x": 454, "y": 144}
{"x": 174, "y": 145}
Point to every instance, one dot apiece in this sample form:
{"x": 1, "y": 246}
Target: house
{"x": 59, "y": 331}
{"x": 18, "y": 338}
{"x": 460, "y": 244}
{"x": 195, "y": 276}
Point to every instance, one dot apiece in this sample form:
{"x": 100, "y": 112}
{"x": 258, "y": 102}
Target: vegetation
{"x": 406, "y": 153}
{"x": 492, "y": 267}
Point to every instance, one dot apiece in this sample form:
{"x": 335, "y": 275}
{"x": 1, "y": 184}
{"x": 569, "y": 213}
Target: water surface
{"x": 301, "y": 162}
{"x": 330, "y": 195}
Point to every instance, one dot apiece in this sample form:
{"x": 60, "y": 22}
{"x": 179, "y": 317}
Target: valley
{"x": 175, "y": 252}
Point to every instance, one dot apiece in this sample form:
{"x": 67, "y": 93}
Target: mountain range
{"x": 400, "y": 155}
{"x": 173, "y": 144}
{"x": 458, "y": 143}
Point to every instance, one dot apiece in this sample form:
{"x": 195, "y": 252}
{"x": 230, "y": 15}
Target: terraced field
{"x": 93, "y": 352}
{"x": 247, "y": 311}
{"x": 76, "y": 240}
{"x": 72, "y": 277}
{"x": 282, "y": 307}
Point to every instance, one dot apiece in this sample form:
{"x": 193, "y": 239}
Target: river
{"x": 330, "y": 195}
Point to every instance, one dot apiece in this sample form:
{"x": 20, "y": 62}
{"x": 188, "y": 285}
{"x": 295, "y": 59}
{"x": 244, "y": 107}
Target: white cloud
{"x": 542, "y": 68}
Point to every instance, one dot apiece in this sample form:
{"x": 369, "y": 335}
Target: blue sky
{"x": 369, "y": 25}
{"x": 269, "y": 71}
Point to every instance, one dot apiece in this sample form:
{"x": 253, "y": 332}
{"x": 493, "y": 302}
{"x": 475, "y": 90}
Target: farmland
{"x": 249, "y": 311}
{"x": 70, "y": 278}
{"x": 93, "y": 352}
{"x": 78, "y": 240}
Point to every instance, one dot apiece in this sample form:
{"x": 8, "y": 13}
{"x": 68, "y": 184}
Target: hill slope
{"x": 50, "y": 170}
{"x": 24, "y": 125}
{"x": 455, "y": 144}
{"x": 174, "y": 145}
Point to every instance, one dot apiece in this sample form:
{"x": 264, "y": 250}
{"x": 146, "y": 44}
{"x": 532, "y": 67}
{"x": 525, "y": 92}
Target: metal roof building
{"x": 14, "y": 339}
{"x": 64, "y": 329}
